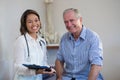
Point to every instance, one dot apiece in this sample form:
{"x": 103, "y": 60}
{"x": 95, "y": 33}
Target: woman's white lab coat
{"x": 37, "y": 55}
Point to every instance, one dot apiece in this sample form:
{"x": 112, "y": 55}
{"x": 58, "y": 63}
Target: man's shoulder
{"x": 91, "y": 33}
{"x": 65, "y": 35}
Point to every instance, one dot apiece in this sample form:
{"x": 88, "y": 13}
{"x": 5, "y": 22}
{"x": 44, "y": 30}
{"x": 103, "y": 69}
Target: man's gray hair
{"x": 76, "y": 11}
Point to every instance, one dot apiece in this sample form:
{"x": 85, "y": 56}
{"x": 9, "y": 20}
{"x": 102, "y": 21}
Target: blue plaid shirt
{"x": 78, "y": 55}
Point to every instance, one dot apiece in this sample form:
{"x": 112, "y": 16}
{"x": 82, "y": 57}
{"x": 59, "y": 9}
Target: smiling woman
{"x": 30, "y": 48}
{"x": 33, "y": 24}
{"x": 30, "y": 20}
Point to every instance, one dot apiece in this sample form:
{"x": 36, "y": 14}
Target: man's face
{"x": 72, "y": 23}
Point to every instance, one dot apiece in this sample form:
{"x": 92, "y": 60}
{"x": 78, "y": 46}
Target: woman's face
{"x": 33, "y": 23}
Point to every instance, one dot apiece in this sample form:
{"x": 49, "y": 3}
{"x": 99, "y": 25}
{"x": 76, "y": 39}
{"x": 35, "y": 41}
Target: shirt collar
{"x": 30, "y": 38}
{"x": 82, "y": 35}
{"x": 83, "y": 32}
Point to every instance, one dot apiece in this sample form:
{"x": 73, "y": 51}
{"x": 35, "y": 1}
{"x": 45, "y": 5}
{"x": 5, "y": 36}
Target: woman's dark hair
{"x": 23, "y": 27}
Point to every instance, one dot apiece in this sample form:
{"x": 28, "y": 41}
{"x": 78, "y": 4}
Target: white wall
{"x": 100, "y": 15}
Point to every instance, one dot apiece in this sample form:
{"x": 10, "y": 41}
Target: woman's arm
{"x": 19, "y": 58}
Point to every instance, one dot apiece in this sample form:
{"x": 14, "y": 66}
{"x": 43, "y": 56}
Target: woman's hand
{"x": 44, "y": 71}
{"x": 51, "y": 71}
{"x": 39, "y": 71}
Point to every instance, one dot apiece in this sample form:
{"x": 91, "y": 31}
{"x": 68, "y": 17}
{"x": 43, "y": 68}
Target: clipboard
{"x": 34, "y": 66}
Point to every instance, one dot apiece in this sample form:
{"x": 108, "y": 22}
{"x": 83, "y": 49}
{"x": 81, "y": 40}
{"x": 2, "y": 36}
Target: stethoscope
{"x": 28, "y": 56}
